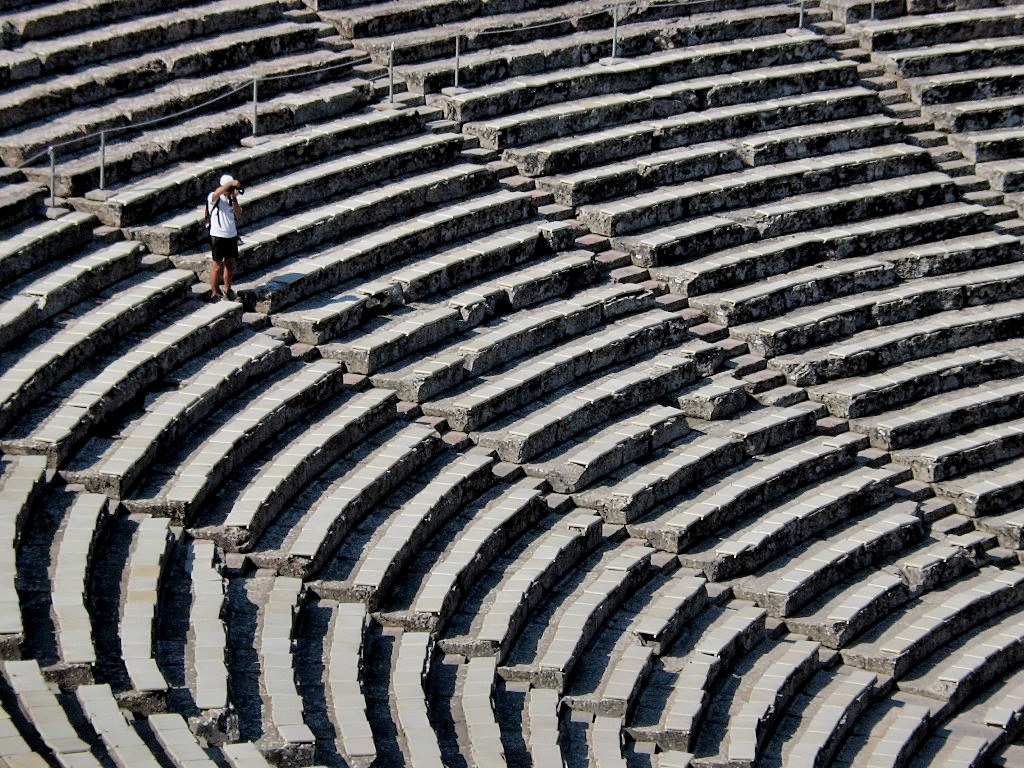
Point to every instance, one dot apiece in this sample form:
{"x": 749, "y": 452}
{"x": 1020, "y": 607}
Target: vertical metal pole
{"x": 615, "y": 31}
{"x": 456, "y": 61}
{"x": 872, "y": 10}
{"x": 255, "y": 105}
{"x": 801, "y": 14}
{"x": 53, "y": 178}
{"x": 391, "y": 74}
{"x": 103, "y": 159}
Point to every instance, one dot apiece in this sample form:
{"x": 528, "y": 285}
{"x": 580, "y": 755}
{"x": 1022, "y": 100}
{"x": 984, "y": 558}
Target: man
{"x": 224, "y": 212}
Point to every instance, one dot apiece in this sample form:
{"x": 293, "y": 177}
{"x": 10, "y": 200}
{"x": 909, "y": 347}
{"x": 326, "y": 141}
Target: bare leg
{"x": 229, "y": 270}
{"x": 214, "y": 278}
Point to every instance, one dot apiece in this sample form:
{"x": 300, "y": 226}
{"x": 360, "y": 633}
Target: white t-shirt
{"x": 222, "y": 217}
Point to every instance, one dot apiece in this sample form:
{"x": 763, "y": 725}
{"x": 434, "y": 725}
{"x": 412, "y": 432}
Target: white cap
{"x": 227, "y": 178}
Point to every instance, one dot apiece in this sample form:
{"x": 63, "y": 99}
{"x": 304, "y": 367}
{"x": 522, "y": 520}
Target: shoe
{"x": 213, "y": 297}
{"x": 230, "y": 295}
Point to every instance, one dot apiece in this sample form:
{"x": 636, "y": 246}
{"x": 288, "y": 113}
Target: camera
{"x": 239, "y": 189}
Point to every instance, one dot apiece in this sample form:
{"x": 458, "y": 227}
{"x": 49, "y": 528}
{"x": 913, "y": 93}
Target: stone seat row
{"x": 499, "y": 49}
{"x": 728, "y": 122}
{"x": 930, "y": 29}
{"x": 19, "y": 200}
{"x": 51, "y": 19}
{"x": 798, "y": 231}
{"x": 184, "y": 183}
{"x": 128, "y": 155}
{"x": 31, "y": 243}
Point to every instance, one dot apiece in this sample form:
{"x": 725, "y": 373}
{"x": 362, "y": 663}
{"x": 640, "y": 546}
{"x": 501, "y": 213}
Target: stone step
{"x": 207, "y": 637}
{"x": 684, "y": 523}
{"x": 22, "y": 484}
{"x": 278, "y": 287}
{"x": 917, "y": 379}
{"x": 942, "y": 616}
{"x": 956, "y": 26}
{"x": 411, "y": 527}
{"x": 803, "y": 230}
{"x": 630, "y": 75}
{"x": 171, "y": 417}
{"x": 171, "y": 731}
{"x": 986, "y": 491}
{"x": 184, "y": 183}
{"x": 346, "y": 701}
{"x": 900, "y": 733}
{"x": 481, "y": 720}
{"x": 92, "y": 328}
{"x": 801, "y": 518}
{"x": 122, "y": 742}
{"x": 880, "y": 308}
{"x": 891, "y": 345}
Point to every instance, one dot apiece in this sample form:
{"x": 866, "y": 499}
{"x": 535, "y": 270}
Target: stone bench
{"x": 125, "y": 76}
{"x": 622, "y": 682}
{"x": 542, "y": 705}
{"x": 900, "y": 734}
{"x": 582, "y": 460}
{"x": 538, "y": 570}
{"x": 986, "y": 146}
{"x": 179, "y": 744}
{"x": 346, "y": 702}
{"x": 482, "y": 61}
{"x": 91, "y": 330}
{"x": 513, "y": 386}
{"x": 842, "y": 702}
{"x": 991, "y": 83}
{"x": 497, "y": 341}
{"x": 986, "y": 491}
{"x": 792, "y": 290}
{"x": 803, "y": 241}
{"x": 13, "y": 748}
{"x": 820, "y": 567}
{"x": 1004, "y": 175}
{"x": 801, "y": 518}
{"x": 620, "y": 574}
{"x": 484, "y": 731}
{"x": 71, "y": 420}
{"x": 637, "y": 488}
{"x": 716, "y": 397}
{"x": 244, "y": 754}
{"x": 20, "y": 201}
{"x": 323, "y": 270}
{"x": 552, "y": 421}
{"x": 893, "y": 344}
{"x": 941, "y": 58}
{"x": 756, "y": 185}
{"x": 671, "y": 608}
{"x": 35, "y": 243}
{"x": 262, "y": 418}
{"x": 796, "y": 142}
{"x": 606, "y": 742}
{"x": 1007, "y": 527}
{"x": 915, "y": 380}
{"x": 932, "y": 28}
{"x": 736, "y": 494}
{"x": 852, "y": 609}
{"x": 296, "y": 464}
{"x": 90, "y": 46}
{"x": 283, "y": 704}
{"x": 133, "y": 203}
{"x": 942, "y": 617}
{"x": 414, "y": 524}
{"x": 62, "y": 286}
{"x": 136, "y": 629}
{"x": 322, "y": 318}
{"x": 989, "y": 656}
{"x": 175, "y": 413}
{"x": 408, "y": 674}
{"x": 951, "y": 412}
{"x": 267, "y": 206}
{"x": 22, "y": 483}
{"x": 491, "y": 532}
{"x": 768, "y": 697}
{"x": 122, "y": 742}
{"x": 79, "y": 534}
{"x": 887, "y": 306}
{"x": 196, "y": 136}
{"x": 44, "y": 712}
{"x": 738, "y": 628}
{"x": 310, "y": 544}
{"x": 978, "y": 115}
{"x": 434, "y": 323}
{"x": 595, "y": 79}
{"x": 207, "y": 637}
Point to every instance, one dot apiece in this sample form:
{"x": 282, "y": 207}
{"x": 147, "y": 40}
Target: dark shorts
{"x": 224, "y": 248}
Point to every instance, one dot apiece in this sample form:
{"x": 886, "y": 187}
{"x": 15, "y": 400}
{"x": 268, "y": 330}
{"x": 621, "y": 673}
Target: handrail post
{"x": 615, "y": 31}
{"x": 456, "y": 61}
{"x": 801, "y": 14}
{"x": 391, "y": 74}
{"x": 53, "y": 177}
{"x": 255, "y": 105}
{"x": 872, "y": 10}
{"x": 103, "y": 159}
